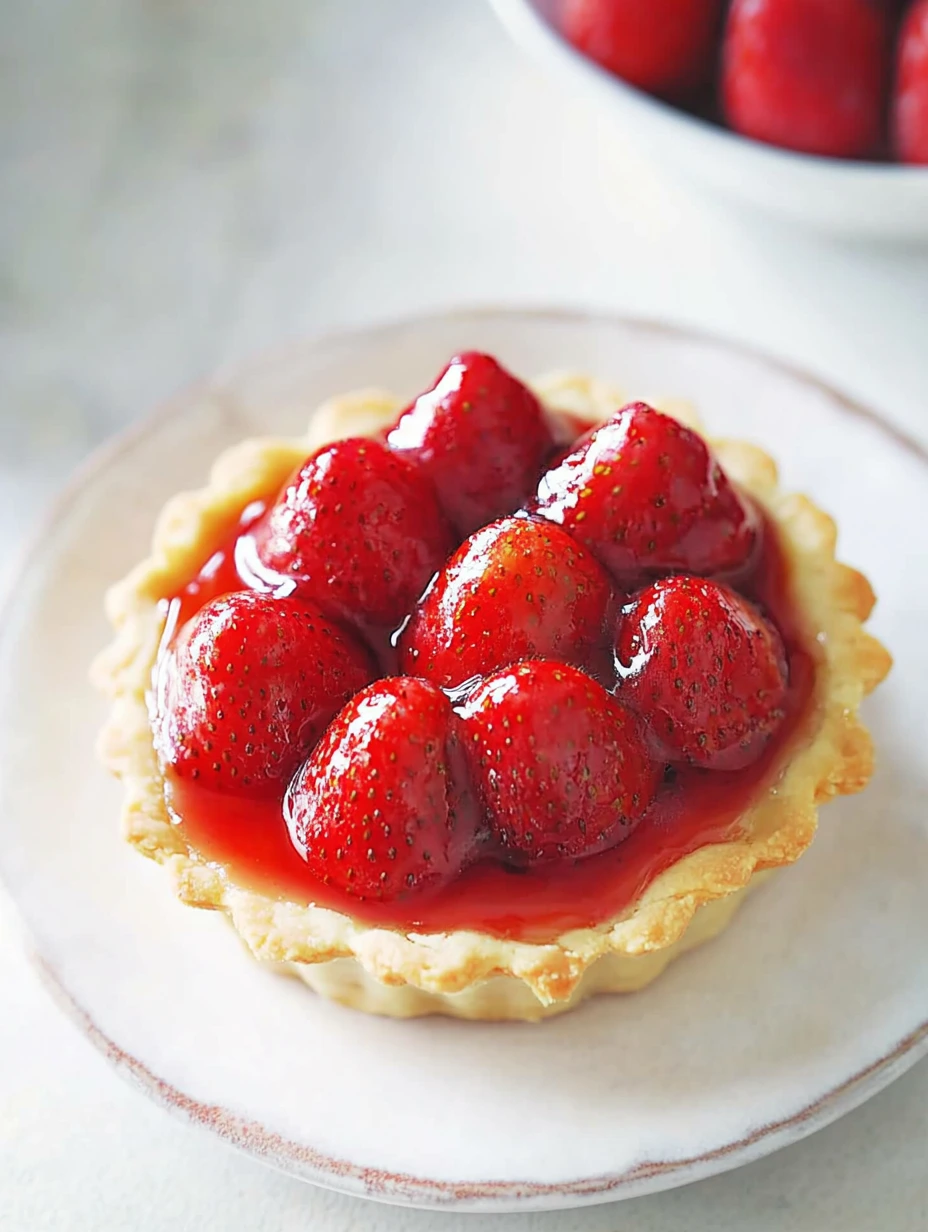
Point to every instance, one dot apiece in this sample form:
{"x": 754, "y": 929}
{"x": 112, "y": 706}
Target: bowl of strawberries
{"x": 813, "y": 110}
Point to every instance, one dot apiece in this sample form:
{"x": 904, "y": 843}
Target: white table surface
{"x": 189, "y": 181}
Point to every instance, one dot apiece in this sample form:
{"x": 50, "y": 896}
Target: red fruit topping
{"x": 248, "y": 688}
{"x": 645, "y": 494}
{"x": 384, "y": 806}
{"x": 518, "y": 589}
{"x": 560, "y": 765}
{"x": 663, "y": 46}
{"x": 704, "y": 669}
{"x": 910, "y": 102}
{"x": 480, "y": 435}
{"x": 809, "y": 75}
{"x": 359, "y": 530}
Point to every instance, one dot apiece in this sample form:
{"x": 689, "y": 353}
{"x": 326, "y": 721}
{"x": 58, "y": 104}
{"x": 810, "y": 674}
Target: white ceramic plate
{"x": 816, "y": 998}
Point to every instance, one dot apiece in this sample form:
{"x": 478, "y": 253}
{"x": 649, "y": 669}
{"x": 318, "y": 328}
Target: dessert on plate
{"x": 486, "y": 703}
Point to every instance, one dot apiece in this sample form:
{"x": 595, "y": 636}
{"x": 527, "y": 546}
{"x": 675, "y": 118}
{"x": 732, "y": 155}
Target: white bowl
{"x": 879, "y": 200}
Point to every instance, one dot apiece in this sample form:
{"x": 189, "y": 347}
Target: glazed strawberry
{"x": 647, "y": 496}
{"x": 560, "y": 765}
{"x": 809, "y": 75}
{"x": 359, "y": 530}
{"x": 663, "y": 46}
{"x": 248, "y": 688}
{"x": 910, "y": 101}
{"x": 517, "y": 589}
{"x": 704, "y": 669}
{"x": 384, "y": 806}
{"x": 480, "y": 435}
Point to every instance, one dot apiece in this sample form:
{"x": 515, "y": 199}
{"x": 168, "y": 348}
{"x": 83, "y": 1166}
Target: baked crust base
{"x": 472, "y": 974}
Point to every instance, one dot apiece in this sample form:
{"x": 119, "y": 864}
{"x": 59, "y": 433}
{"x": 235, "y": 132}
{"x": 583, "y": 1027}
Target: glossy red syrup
{"x": 695, "y": 808}
{"x": 219, "y": 576}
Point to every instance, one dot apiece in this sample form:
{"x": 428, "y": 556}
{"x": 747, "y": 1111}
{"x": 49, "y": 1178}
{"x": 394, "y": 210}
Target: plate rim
{"x": 305, "y": 1162}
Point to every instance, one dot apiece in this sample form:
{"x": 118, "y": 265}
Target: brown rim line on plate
{"x": 253, "y": 1137}
{"x": 651, "y": 1176}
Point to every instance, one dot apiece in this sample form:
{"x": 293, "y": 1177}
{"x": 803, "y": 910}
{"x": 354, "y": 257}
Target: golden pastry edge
{"x": 472, "y": 974}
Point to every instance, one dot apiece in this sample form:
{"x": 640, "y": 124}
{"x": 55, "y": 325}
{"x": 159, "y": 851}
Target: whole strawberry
{"x": 384, "y": 806}
{"x": 359, "y": 530}
{"x": 910, "y": 101}
{"x": 662, "y": 46}
{"x": 480, "y": 435}
{"x": 248, "y": 688}
{"x": 646, "y": 496}
{"x": 561, "y": 766}
{"x": 704, "y": 669}
{"x": 517, "y": 589}
{"x": 809, "y": 75}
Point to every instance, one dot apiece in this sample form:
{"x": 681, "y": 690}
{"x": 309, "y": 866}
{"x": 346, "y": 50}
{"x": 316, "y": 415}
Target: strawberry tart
{"x": 488, "y": 702}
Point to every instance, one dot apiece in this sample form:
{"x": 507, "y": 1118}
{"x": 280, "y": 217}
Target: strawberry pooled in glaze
{"x": 707, "y": 670}
{"x": 249, "y": 686}
{"x": 384, "y": 806}
{"x": 561, "y": 766}
{"x": 359, "y": 531}
{"x": 646, "y": 496}
{"x": 812, "y": 76}
{"x": 517, "y": 589}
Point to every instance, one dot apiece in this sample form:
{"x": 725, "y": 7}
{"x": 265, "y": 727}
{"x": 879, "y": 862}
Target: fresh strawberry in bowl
{"x": 791, "y": 109}
{"x": 910, "y": 95}
{"x": 807, "y": 75}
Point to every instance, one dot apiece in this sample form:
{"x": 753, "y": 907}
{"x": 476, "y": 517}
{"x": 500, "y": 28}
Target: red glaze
{"x": 704, "y": 669}
{"x": 809, "y": 75}
{"x": 517, "y": 589}
{"x": 561, "y": 767}
{"x": 646, "y": 496}
{"x": 662, "y": 46}
{"x": 480, "y": 435}
{"x": 692, "y": 809}
{"x": 359, "y": 530}
{"x": 248, "y": 687}
{"x": 219, "y": 575}
{"x": 910, "y": 100}
{"x": 384, "y": 805}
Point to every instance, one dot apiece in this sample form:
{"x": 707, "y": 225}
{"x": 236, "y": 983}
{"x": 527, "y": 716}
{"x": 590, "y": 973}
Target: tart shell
{"x": 472, "y": 974}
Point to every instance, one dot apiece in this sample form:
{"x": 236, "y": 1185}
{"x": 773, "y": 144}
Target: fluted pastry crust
{"x": 473, "y": 974}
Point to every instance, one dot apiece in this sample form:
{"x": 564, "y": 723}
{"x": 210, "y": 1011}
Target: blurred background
{"x": 186, "y": 183}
